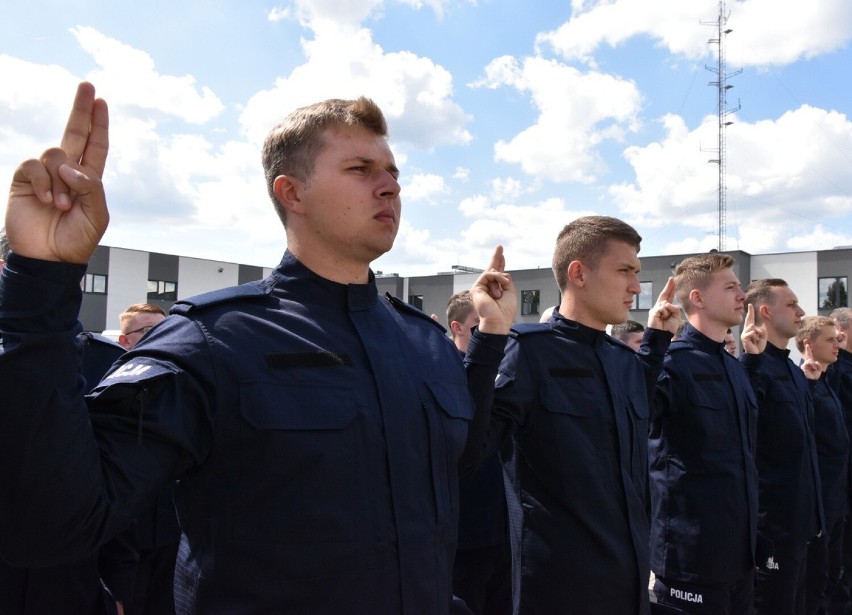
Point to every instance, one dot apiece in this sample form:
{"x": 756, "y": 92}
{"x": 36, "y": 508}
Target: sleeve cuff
{"x": 39, "y": 295}
{"x": 657, "y": 340}
{"x": 486, "y": 348}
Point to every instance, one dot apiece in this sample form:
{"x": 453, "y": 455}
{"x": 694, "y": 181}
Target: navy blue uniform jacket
{"x": 315, "y": 429}
{"x": 482, "y": 507}
{"x": 577, "y": 403}
{"x": 832, "y": 442}
{"x": 839, "y": 378}
{"x": 76, "y": 587}
{"x": 703, "y": 472}
{"x": 790, "y": 507}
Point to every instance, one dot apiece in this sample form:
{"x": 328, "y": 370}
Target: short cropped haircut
{"x": 291, "y": 148}
{"x": 841, "y": 317}
{"x": 585, "y": 239}
{"x": 137, "y": 308}
{"x": 622, "y": 329}
{"x": 760, "y": 293}
{"x": 811, "y": 329}
{"x": 695, "y": 272}
{"x": 459, "y": 308}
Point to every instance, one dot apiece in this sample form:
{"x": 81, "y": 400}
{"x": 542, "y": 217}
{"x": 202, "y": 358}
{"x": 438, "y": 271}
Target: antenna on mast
{"x": 723, "y": 112}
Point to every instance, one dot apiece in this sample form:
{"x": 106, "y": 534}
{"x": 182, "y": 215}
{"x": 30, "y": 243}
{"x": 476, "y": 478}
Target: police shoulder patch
{"x": 402, "y": 306}
{"x": 250, "y": 290}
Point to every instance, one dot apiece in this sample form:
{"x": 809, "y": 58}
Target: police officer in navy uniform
{"x": 572, "y": 403}
{"x": 838, "y": 376}
{"x": 483, "y": 564}
{"x": 789, "y": 502}
{"x": 819, "y": 344}
{"x": 316, "y": 428}
{"x": 100, "y": 583}
{"x": 702, "y": 447}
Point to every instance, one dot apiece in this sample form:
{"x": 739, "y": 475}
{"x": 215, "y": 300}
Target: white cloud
{"x": 778, "y": 32}
{"x": 279, "y": 14}
{"x": 319, "y": 14}
{"x": 415, "y": 94}
{"x": 527, "y": 233}
{"x": 688, "y": 245}
{"x": 461, "y": 174}
{"x": 783, "y": 177}
{"x": 508, "y": 188}
{"x": 765, "y": 31}
{"x": 128, "y": 78}
{"x": 819, "y": 239}
{"x": 577, "y": 112}
{"x": 424, "y": 187}
{"x": 34, "y": 104}
{"x": 672, "y": 177}
{"x": 347, "y": 12}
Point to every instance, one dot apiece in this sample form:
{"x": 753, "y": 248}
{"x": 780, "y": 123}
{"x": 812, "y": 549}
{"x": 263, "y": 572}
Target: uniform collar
{"x": 575, "y": 331}
{"x": 701, "y": 341}
{"x": 300, "y": 281}
{"x": 773, "y": 351}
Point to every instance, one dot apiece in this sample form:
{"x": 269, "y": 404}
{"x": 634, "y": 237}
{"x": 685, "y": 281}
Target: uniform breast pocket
{"x": 570, "y": 426}
{"x": 711, "y": 418}
{"x": 297, "y": 454}
{"x": 449, "y": 410}
{"x": 781, "y": 423}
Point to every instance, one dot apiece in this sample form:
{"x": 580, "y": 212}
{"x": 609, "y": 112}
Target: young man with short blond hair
{"x": 571, "y": 405}
{"x": 819, "y": 343}
{"x": 317, "y": 429}
{"x": 703, "y": 472}
{"x": 790, "y": 507}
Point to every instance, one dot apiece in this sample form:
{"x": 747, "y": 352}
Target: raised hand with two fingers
{"x": 665, "y": 315}
{"x": 57, "y": 209}
{"x": 754, "y": 336}
{"x": 494, "y": 296}
{"x": 810, "y": 366}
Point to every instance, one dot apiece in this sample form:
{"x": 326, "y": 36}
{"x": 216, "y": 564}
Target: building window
{"x": 94, "y": 283}
{"x": 160, "y": 290}
{"x": 832, "y": 293}
{"x": 643, "y": 300}
{"x": 416, "y": 301}
{"x": 529, "y": 302}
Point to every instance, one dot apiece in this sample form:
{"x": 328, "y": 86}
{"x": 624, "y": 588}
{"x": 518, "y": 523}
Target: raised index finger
{"x": 97, "y": 146}
{"x": 749, "y": 317}
{"x": 807, "y": 353}
{"x": 498, "y": 261}
{"x": 86, "y": 136}
{"x": 668, "y": 292}
{"x": 77, "y": 128}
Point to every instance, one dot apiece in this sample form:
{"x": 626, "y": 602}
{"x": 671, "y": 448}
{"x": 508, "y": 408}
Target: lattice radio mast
{"x": 723, "y": 111}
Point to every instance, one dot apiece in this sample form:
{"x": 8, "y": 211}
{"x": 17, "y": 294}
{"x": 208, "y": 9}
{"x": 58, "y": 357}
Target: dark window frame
{"x": 530, "y": 302}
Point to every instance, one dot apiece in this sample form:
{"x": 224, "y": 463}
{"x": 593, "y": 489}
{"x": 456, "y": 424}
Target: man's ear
{"x": 456, "y": 327}
{"x": 695, "y": 298}
{"x": 288, "y": 191}
{"x": 577, "y": 273}
{"x": 763, "y": 312}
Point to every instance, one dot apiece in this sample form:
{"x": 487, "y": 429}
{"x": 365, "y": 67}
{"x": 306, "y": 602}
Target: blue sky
{"x": 508, "y": 118}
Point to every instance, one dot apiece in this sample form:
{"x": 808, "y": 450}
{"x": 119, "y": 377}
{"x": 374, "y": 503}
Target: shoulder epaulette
{"x": 678, "y": 345}
{"x": 528, "y": 328}
{"x": 90, "y": 337}
{"x": 250, "y": 290}
{"x": 407, "y": 308}
{"x": 617, "y": 343}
